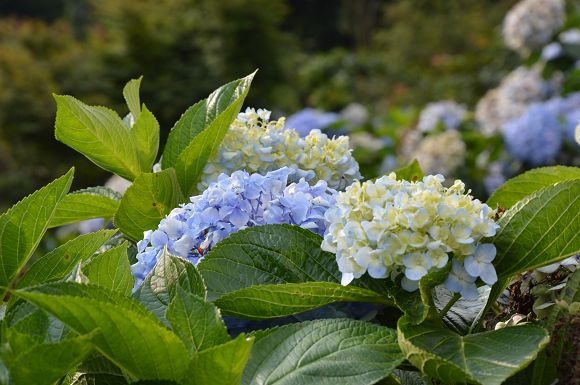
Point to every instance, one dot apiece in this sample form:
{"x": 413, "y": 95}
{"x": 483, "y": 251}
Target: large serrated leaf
{"x": 99, "y": 134}
{"x": 270, "y": 254}
{"x": 411, "y": 172}
{"x": 464, "y": 315}
{"x": 128, "y": 336}
{"x": 59, "y": 262}
{"x": 486, "y": 358}
{"x": 196, "y": 322}
{"x": 540, "y": 229}
{"x": 45, "y": 363}
{"x": 199, "y": 116}
{"x": 22, "y": 227}
{"x": 524, "y": 184}
{"x": 89, "y": 203}
{"x": 146, "y": 136}
{"x": 220, "y": 365}
{"x": 269, "y": 301}
{"x": 324, "y": 352}
{"x": 160, "y": 286}
{"x": 222, "y": 108}
{"x": 111, "y": 269}
{"x": 148, "y": 200}
{"x": 131, "y": 95}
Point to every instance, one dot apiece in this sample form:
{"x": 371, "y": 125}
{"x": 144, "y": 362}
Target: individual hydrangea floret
{"x": 310, "y": 119}
{"x": 535, "y": 138}
{"x": 389, "y": 228}
{"x": 230, "y": 204}
{"x": 531, "y": 23}
{"x": 257, "y": 145}
{"x": 446, "y": 113}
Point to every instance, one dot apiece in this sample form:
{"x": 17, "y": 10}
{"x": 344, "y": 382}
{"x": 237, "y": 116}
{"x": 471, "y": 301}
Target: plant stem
{"x": 451, "y": 302}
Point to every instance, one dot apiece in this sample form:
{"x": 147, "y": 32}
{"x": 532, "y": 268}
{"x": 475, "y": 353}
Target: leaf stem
{"x": 450, "y": 304}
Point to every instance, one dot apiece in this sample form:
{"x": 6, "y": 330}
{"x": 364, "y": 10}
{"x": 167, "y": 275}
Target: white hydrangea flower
{"x": 531, "y": 23}
{"x": 444, "y": 153}
{"x": 257, "y": 145}
{"x": 446, "y": 112}
{"x": 391, "y": 227}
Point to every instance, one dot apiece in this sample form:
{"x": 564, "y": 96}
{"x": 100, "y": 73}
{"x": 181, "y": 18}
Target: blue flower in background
{"x": 535, "y": 137}
{"x": 228, "y": 205}
{"x": 446, "y": 113}
{"x": 310, "y": 119}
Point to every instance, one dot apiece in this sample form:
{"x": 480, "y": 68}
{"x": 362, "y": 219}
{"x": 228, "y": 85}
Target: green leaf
{"x": 486, "y": 358}
{"x": 412, "y": 172}
{"x": 59, "y": 262}
{"x": 131, "y": 95}
{"x": 41, "y": 364}
{"x": 111, "y": 269}
{"x": 146, "y": 136}
{"x": 199, "y": 116}
{"x": 160, "y": 286}
{"x": 99, "y": 134}
{"x": 222, "y": 108}
{"x": 22, "y": 227}
{"x": 540, "y": 229}
{"x": 324, "y": 352}
{"x": 464, "y": 314}
{"x": 269, "y": 301}
{"x": 270, "y": 254}
{"x": 531, "y": 181}
{"x": 128, "y": 335}
{"x": 97, "y": 370}
{"x": 93, "y": 202}
{"x": 39, "y": 326}
{"x": 148, "y": 200}
{"x": 220, "y": 365}
{"x": 196, "y": 322}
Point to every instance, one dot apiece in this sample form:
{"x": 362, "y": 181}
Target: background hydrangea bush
{"x": 277, "y": 271}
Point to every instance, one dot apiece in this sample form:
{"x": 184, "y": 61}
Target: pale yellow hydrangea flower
{"x": 257, "y": 145}
{"x": 390, "y": 227}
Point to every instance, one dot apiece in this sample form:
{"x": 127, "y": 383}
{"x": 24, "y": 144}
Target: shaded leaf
{"x": 89, "y": 203}
{"x": 129, "y": 336}
{"x": 333, "y": 352}
{"x": 196, "y": 322}
{"x": 464, "y": 314}
{"x": 97, "y": 370}
{"x": 160, "y": 286}
{"x": 269, "y": 301}
{"x": 486, "y": 358}
{"x": 270, "y": 254}
{"x": 220, "y": 365}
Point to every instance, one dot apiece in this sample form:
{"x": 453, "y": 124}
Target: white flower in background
{"x": 257, "y": 145}
{"x": 511, "y": 98}
{"x": 356, "y": 114}
{"x": 443, "y": 153}
{"x": 446, "y": 113}
{"x": 389, "y": 228}
{"x": 531, "y": 23}
{"x": 570, "y": 37}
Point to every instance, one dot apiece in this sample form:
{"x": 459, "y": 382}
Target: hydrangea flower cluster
{"x": 531, "y": 23}
{"x": 536, "y": 136}
{"x": 257, "y": 145}
{"x": 389, "y": 227}
{"x": 310, "y": 119}
{"x": 444, "y": 153}
{"x": 446, "y": 112}
{"x": 230, "y": 204}
{"x": 510, "y": 99}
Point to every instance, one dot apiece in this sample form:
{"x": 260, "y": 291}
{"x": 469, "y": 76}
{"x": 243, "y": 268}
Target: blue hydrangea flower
{"x": 535, "y": 137}
{"x": 310, "y": 119}
{"x": 230, "y": 204}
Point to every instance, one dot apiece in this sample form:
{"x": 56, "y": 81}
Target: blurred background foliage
{"x": 379, "y": 53}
